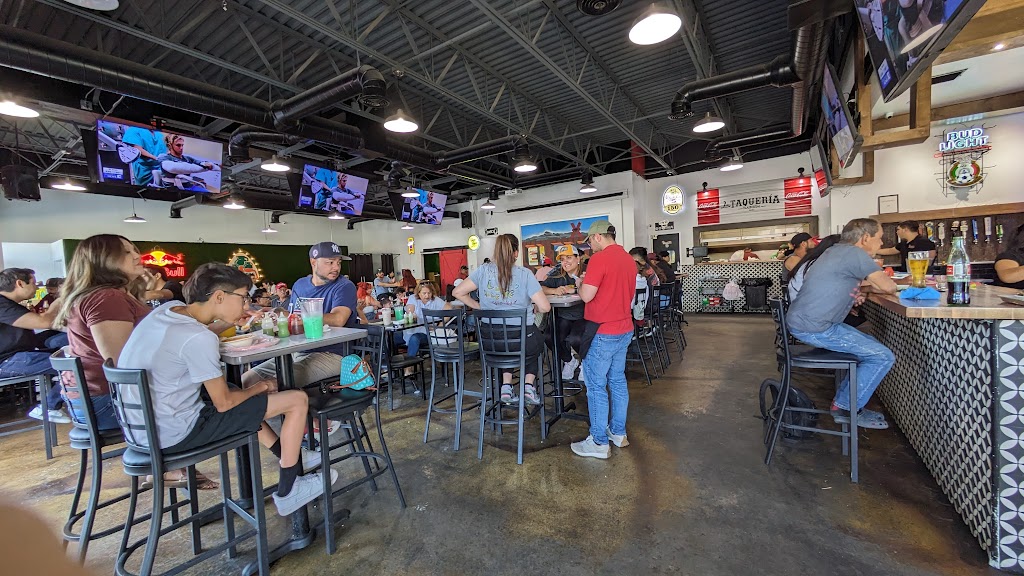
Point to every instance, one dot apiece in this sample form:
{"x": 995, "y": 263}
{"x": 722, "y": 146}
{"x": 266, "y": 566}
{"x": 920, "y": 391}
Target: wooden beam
{"x": 867, "y": 163}
{"x": 997, "y": 21}
{"x": 980, "y": 106}
{"x": 920, "y": 119}
{"x": 862, "y": 83}
{"x": 959, "y": 212}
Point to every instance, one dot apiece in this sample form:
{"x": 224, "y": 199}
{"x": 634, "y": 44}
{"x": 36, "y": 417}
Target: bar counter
{"x": 957, "y": 392}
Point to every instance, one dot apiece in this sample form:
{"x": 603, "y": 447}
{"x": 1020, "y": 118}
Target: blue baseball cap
{"x": 326, "y": 250}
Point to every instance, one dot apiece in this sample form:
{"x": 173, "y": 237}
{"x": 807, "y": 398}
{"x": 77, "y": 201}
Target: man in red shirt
{"x": 608, "y": 289}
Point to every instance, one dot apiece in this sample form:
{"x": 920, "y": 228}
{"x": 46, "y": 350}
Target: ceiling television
{"x": 841, "y": 131}
{"x": 326, "y": 190}
{"x": 426, "y": 208}
{"x": 905, "y": 36}
{"x": 147, "y": 157}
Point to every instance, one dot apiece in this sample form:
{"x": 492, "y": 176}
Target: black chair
{"x": 802, "y": 356}
{"x": 449, "y": 349}
{"x": 39, "y": 386}
{"x": 133, "y": 407}
{"x": 657, "y": 332}
{"x": 669, "y": 319}
{"x": 347, "y": 406}
{"x": 502, "y": 339}
{"x": 637, "y": 346}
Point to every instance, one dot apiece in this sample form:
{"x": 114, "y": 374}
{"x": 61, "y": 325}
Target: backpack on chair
{"x": 797, "y": 399}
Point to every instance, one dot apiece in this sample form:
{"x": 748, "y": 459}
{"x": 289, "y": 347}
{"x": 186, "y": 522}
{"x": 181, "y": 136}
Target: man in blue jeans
{"x": 23, "y": 352}
{"x": 608, "y": 289}
{"x": 832, "y": 286}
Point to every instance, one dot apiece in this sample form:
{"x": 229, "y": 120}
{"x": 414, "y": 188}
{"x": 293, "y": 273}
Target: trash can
{"x": 755, "y": 291}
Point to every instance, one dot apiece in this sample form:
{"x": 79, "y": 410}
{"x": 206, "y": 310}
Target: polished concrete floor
{"x": 691, "y": 494}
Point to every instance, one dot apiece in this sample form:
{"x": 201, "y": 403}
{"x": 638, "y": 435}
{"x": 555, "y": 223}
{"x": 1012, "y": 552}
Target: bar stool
{"x": 667, "y": 316}
{"x": 653, "y": 316}
{"x": 448, "y": 348}
{"x": 129, "y": 393}
{"x": 639, "y": 300}
{"x": 506, "y": 351}
{"x": 347, "y": 406}
{"x": 802, "y": 356}
{"x": 41, "y": 389}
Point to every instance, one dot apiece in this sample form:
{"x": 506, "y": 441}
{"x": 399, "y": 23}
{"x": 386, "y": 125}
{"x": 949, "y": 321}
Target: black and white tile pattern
{"x": 691, "y": 287}
{"x": 1007, "y": 552}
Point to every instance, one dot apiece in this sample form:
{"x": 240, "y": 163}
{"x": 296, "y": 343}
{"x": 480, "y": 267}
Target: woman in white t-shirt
{"x": 173, "y": 343}
{"x": 504, "y": 285}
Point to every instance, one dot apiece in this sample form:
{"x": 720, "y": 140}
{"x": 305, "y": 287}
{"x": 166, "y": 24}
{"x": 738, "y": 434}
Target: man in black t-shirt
{"x": 1009, "y": 265}
{"x": 23, "y": 352}
{"x": 910, "y": 241}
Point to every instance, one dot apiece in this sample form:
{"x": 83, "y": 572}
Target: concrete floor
{"x": 691, "y": 494}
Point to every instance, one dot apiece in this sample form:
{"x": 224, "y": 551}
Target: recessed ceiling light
{"x": 68, "y": 185}
{"x": 399, "y": 122}
{"x": 999, "y": 47}
{"x": 275, "y": 165}
{"x": 657, "y": 24}
{"x": 9, "y": 108}
{"x": 708, "y": 123}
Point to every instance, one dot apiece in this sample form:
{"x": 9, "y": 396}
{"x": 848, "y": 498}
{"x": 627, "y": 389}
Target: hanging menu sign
{"x": 755, "y": 201}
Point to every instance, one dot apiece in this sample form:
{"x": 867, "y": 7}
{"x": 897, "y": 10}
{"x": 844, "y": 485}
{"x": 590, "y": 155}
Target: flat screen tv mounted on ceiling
{"x": 326, "y": 190}
{"x": 426, "y": 208}
{"x": 841, "y": 131}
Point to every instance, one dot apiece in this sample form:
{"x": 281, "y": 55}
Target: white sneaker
{"x": 617, "y": 439}
{"x": 569, "y": 368}
{"x": 589, "y": 449}
{"x": 55, "y": 416}
{"x": 307, "y": 488}
{"x": 310, "y": 460}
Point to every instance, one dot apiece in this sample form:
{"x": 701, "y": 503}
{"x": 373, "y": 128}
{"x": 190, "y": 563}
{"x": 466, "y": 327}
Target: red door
{"x": 451, "y": 262}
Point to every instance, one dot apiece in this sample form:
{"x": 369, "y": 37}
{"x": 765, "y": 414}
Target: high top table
{"x": 562, "y": 410}
{"x": 302, "y": 535}
{"x": 957, "y": 393}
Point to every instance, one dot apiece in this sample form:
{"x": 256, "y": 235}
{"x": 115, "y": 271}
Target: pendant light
{"x": 267, "y": 228}
{"x": 657, "y": 24}
{"x": 335, "y": 215}
{"x": 68, "y": 185}
{"x": 411, "y": 192}
{"x": 235, "y": 202}
{"x": 521, "y": 160}
{"x": 734, "y": 163}
{"x": 134, "y": 218}
{"x": 492, "y": 195}
{"x": 399, "y": 122}
{"x": 100, "y": 5}
{"x": 708, "y": 123}
{"x": 275, "y": 165}
{"x": 11, "y": 108}
{"x": 407, "y": 226}
{"x": 587, "y": 182}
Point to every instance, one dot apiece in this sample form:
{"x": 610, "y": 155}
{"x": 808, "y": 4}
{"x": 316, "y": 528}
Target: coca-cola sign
{"x": 798, "y": 196}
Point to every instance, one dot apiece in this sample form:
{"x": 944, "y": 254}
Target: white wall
{"x": 767, "y": 173}
{"x": 911, "y": 172}
{"x": 74, "y": 215}
{"x": 35, "y": 255}
{"x": 387, "y": 237}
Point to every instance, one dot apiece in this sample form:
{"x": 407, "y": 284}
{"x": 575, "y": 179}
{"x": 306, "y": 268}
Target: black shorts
{"x": 212, "y": 425}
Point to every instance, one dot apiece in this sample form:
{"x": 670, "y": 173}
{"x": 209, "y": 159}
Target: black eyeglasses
{"x": 245, "y": 298}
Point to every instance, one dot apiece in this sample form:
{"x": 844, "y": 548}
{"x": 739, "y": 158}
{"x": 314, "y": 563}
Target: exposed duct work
{"x": 241, "y": 139}
{"x": 807, "y": 54}
{"x": 38, "y": 54}
{"x": 365, "y": 82}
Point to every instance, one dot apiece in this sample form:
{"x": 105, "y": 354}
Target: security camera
{"x": 888, "y": 115}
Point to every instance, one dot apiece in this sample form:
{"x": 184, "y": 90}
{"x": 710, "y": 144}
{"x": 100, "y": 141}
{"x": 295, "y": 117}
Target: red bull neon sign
{"x": 173, "y": 265}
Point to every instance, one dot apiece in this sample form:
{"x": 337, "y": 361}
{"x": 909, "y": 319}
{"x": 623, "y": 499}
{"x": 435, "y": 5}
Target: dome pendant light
{"x": 657, "y": 24}
{"x": 235, "y": 202}
{"x": 335, "y": 215}
{"x": 492, "y": 195}
{"x": 587, "y": 182}
{"x": 407, "y": 226}
{"x": 734, "y": 163}
{"x": 708, "y": 123}
{"x": 275, "y": 165}
{"x": 134, "y": 218}
{"x": 399, "y": 122}
{"x": 10, "y": 108}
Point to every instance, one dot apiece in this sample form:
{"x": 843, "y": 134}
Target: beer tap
{"x": 942, "y": 233}
{"x": 988, "y": 229}
{"x": 999, "y": 233}
{"x": 974, "y": 229}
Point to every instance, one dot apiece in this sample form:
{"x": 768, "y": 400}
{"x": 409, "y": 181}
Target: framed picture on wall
{"x": 889, "y": 204}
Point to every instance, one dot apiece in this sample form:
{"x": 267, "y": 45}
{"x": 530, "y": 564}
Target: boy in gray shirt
{"x": 830, "y": 289}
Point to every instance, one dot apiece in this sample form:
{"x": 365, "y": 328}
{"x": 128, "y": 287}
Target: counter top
{"x": 727, "y": 262}
{"x": 985, "y": 305}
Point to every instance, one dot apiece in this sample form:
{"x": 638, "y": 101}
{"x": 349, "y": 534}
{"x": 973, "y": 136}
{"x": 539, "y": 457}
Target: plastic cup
{"x": 917, "y": 265}
{"x": 399, "y": 313}
{"x": 312, "y": 317}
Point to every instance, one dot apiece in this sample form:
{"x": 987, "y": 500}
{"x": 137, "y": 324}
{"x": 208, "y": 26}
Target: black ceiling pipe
{"x": 243, "y": 137}
{"x": 483, "y": 150}
{"x": 779, "y": 72}
{"x": 366, "y": 82}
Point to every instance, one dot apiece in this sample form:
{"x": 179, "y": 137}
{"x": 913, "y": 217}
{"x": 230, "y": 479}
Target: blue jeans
{"x": 875, "y": 360}
{"x": 415, "y": 342}
{"x": 605, "y": 371}
{"x": 101, "y": 405}
{"x": 35, "y": 362}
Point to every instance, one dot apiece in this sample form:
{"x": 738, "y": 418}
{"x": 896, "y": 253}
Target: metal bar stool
{"x": 638, "y": 337}
{"x": 133, "y": 407}
{"x": 802, "y": 356}
{"x": 41, "y": 389}
{"x": 668, "y": 318}
{"x": 502, "y": 338}
{"x": 347, "y": 406}
{"x": 449, "y": 349}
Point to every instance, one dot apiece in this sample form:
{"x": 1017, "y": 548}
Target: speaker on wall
{"x": 467, "y": 219}
{"x": 20, "y": 182}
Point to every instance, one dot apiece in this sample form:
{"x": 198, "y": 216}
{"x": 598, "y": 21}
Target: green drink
{"x": 313, "y": 327}
{"x": 399, "y": 313}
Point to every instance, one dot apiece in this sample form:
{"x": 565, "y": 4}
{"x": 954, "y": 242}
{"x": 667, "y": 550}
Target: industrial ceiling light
{"x": 399, "y": 122}
{"x": 407, "y": 226}
{"x": 134, "y": 218}
{"x": 588, "y": 183}
{"x": 101, "y": 5}
{"x": 235, "y": 202}
{"x": 11, "y": 108}
{"x": 269, "y": 230}
{"x": 410, "y": 193}
{"x": 657, "y": 24}
{"x": 521, "y": 160}
{"x": 492, "y": 195}
{"x": 998, "y": 47}
{"x": 68, "y": 185}
{"x": 335, "y": 215}
{"x": 708, "y": 123}
{"x": 275, "y": 165}
{"x": 734, "y": 163}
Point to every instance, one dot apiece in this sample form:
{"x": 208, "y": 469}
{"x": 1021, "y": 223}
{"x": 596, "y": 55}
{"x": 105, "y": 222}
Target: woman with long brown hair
{"x": 408, "y": 280}
{"x": 505, "y": 285}
{"x": 102, "y": 304}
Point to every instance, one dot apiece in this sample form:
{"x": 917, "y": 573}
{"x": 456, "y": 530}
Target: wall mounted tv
{"x": 839, "y": 124}
{"x": 138, "y": 156}
{"x": 905, "y": 36}
{"x": 325, "y": 190}
{"x": 426, "y": 208}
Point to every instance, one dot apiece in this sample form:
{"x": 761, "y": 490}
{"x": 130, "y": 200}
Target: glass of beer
{"x": 917, "y": 265}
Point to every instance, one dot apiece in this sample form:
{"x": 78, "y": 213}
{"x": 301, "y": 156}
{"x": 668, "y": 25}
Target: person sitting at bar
{"x": 182, "y": 358}
{"x": 504, "y": 285}
{"x": 340, "y": 305}
{"x": 565, "y": 279}
{"x": 23, "y": 352}
{"x": 660, "y": 259}
{"x": 830, "y": 289}
{"x": 800, "y": 245}
{"x": 1010, "y": 264}
{"x": 910, "y": 241}
{"x": 654, "y": 276}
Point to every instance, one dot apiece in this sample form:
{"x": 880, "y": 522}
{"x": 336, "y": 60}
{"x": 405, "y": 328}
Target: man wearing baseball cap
{"x": 800, "y": 245}
{"x": 608, "y": 289}
{"x": 339, "y": 296}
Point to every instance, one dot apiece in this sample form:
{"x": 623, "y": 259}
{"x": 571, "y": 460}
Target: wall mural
{"x": 541, "y": 240}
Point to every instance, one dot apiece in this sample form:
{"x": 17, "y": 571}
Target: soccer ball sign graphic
{"x": 964, "y": 174}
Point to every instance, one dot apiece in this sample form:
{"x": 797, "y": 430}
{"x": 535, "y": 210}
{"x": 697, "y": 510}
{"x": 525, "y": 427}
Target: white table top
{"x": 567, "y": 301}
{"x": 291, "y": 345}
